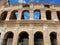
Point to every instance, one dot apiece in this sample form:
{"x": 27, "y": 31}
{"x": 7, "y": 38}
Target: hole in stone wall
{"x": 53, "y": 38}
{"x": 38, "y": 39}
{"x": 25, "y": 15}
{"x": 48, "y": 15}
{"x": 58, "y": 15}
{"x": 3, "y": 15}
{"x": 47, "y": 6}
{"x": 23, "y": 39}
{"x": 14, "y": 15}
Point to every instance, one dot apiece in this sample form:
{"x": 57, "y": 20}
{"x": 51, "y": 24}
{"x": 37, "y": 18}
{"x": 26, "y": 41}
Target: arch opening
{"x": 26, "y": 6}
{"x": 38, "y": 39}
{"x": 8, "y": 38}
{"x": 23, "y": 39}
{"x": 25, "y": 15}
{"x": 3, "y": 15}
{"x": 48, "y": 15}
{"x": 58, "y": 15}
{"x": 14, "y": 15}
{"x": 37, "y": 15}
{"x": 53, "y": 38}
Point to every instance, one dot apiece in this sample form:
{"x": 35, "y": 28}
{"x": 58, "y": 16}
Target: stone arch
{"x": 53, "y": 38}
{"x": 8, "y": 38}
{"x": 3, "y": 15}
{"x": 13, "y": 15}
{"x": 38, "y": 16}
{"x": 38, "y": 38}
{"x": 25, "y": 13}
{"x": 23, "y": 38}
{"x": 48, "y": 15}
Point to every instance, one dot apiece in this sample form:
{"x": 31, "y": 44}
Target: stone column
{"x": 58, "y": 38}
{"x": 19, "y": 15}
{"x": 46, "y": 38}
{"x": 8, "y": 15}
{"x": 15, "y": 39}
{"x": 43, "y": 15}
{"x": 31, "y": 38}
{"x": 31, "y": 14}
{"x": 54, "y": 15}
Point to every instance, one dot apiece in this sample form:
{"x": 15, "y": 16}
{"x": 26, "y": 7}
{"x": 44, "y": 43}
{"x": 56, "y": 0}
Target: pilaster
{"x": 46, "y": 38}
{"x": 31, "y": 14}
{"x": 8, "y": 15}
{"x": 43, "y": 16}
{"x": 54, "y": 16}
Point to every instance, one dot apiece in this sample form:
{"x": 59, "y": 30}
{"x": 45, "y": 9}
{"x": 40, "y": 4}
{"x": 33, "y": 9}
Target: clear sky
{"x": 39, "y": 1}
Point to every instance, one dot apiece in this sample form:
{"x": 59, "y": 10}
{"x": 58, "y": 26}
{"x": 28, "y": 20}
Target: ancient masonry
{"x": 18, "y": 31}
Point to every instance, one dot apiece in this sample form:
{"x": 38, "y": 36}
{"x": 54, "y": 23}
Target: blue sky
{"x": 39, "y": 1}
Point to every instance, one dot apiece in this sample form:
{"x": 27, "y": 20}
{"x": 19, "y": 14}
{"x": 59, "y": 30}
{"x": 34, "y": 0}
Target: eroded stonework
{"x": 17, "y": 31}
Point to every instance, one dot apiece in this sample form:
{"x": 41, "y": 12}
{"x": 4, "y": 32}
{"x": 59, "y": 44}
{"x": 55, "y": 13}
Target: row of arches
{"x": 26, "y": 15}
{"x": 24, "y": 38}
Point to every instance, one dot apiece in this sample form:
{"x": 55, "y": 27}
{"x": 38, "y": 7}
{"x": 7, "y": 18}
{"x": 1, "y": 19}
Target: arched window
{"x": 3, "y": 15}
{"x": 25, "y": 15}
{"x": 8, "y": 38}
{"x": 26, "y": 6}
{"x": 14, "y": 15}
{"x": 23, "y": 38}
{"x": 38, "y": 38}
{"x": 58, "y": 15}
{"x": 48, "y": 15}
{"x": 37, "y": 15}
{"x": 53, "y": 38}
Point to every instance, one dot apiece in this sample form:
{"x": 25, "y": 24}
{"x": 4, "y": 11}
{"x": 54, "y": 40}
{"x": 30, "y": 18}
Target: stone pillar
{"x": 15, "y": 39}
{"x": 19, "y": 15}
{"x": 54, "y": 15}
{"x": 58, "y": 38}
{"x": 31, "y": 14}
{"x": 43, "y": 15}
{"x": 46, "y": 38}
{"x": 8, "y": 15}
{"x": 31, "y": 38}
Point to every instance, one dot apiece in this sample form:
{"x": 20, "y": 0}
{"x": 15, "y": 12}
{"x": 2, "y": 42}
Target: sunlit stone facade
{"x": 18, "y": 31}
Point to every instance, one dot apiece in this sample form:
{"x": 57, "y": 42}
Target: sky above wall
{"x": 37, "y": 1}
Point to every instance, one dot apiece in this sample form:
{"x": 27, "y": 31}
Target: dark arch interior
{"x": 58, "y": 14}
{"x": 3, "y": 15}
{"x": 48, "y": 15}
{"x": 53, "y": 39}
{"x": 26, "y": 6}
{"x": 8, "y": 38}
{"x": 13, "y": 15}
{"x": 38, "y": 38}
{"x": 23, "y": 14}
{"x": 38, "y": 13}
{"x": 23, "y": 39}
